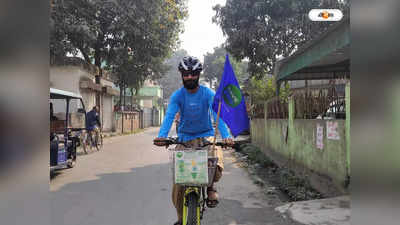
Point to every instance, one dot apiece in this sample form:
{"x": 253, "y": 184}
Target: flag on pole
{"x": 233, "y": 107}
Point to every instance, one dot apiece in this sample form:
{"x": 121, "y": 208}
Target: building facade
{"x": 80, "y": 79}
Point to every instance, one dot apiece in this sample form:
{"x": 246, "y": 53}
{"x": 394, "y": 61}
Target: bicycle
{"x": 92, "y": 139}
{"x": 194, "y": 198}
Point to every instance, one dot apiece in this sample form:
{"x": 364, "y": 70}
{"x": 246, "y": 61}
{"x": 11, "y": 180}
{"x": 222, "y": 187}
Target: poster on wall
{"x": 320, "y": 136}
{"x": 332, "y": 131}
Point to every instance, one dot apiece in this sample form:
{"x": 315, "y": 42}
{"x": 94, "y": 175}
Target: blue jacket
{"x": 195, "y": 115}
{"x": 92, "y": 119}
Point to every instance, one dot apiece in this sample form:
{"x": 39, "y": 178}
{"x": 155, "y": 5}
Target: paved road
{"x": 129, "y": 183}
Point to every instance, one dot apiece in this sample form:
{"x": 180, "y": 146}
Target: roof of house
{"x": 325, "y": 57}
{"x": 61, "y": 94}
{"x": 79, "y": 62}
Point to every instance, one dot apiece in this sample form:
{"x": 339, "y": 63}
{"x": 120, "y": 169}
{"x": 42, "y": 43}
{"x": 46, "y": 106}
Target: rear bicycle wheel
{"x": 91, "y": 140}
{"x": 193, "y": 217}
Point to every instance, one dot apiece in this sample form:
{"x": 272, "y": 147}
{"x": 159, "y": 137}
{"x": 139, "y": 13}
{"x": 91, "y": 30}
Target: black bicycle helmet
{"x": 190, "y": 64}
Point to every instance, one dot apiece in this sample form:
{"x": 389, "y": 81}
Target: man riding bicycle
{"x": 194, "y": 103}
{"x": 93, "y": 120}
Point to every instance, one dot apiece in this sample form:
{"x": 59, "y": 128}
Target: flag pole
{"x": 216, "y": 125}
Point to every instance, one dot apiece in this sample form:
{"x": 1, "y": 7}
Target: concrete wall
{"x": 293, "y": 143}
{"x": 151, "y": 91}
{"x": 89, "y": 98}
{"x": 146, "y": 103}
{"x": 108, "y": 108}
{"x": 131, "y": 121}
{"x": 296, "y": 148}
{"x": 68, "y": 78}
{"x": 108, "y": 112}
{"x": 272, "y": 136}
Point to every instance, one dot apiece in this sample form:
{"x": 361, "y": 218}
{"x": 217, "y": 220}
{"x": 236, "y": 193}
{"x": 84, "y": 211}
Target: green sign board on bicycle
{"x": 190, "y": 167}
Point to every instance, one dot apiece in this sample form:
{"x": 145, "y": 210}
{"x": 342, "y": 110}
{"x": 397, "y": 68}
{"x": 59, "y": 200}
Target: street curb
{"x": 333, "y": 211}
{"x": 115, "y": 134}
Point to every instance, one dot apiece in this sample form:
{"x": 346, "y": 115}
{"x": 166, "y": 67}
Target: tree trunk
{"x": 99, "y": 75}
{"x": 98, "y": 65}
{"x": 85, "y": 56}
{"x": 131, "y": 98}
{"x": 124, "y": 96}
{"x": 97, "y": 55}
{"x": 120, "y": 94}
{"x": 123, "y": 86}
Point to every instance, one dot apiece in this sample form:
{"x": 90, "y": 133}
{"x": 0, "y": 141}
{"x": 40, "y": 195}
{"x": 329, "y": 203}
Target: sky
{"x": 201, "y": 35}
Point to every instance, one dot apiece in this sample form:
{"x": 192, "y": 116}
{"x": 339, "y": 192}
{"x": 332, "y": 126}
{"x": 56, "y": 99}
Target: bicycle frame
{"x": 199, "y": 191}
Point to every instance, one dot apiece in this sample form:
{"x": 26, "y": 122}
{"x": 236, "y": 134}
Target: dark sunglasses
{"x": 193, "y": 73}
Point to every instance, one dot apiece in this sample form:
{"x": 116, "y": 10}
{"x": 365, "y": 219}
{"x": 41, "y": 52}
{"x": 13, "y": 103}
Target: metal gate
{"x": 156, "y": 117}
{"x": 147, "y": 117}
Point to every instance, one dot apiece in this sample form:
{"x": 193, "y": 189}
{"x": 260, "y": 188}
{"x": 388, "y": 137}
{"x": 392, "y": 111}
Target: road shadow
{"x": 141, "y": 196}
{"x": 54, "y": 173}
{"x": 234, "y": 212}
{"x": 81, "y": 153}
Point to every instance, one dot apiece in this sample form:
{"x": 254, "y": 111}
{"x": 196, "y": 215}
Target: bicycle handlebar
{"x": 174, "y": 141}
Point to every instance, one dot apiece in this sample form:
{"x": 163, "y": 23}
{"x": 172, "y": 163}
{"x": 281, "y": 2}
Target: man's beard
{"x": 191, "y": 84}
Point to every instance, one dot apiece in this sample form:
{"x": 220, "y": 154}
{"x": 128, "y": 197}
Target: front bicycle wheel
{"x": 84, "y": 142}
{"x": 99, "y": 141}
{"x": 193, "y": 212}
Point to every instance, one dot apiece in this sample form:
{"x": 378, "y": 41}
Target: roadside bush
{"x": 256, "y": 155}
{"x": 297, "y": 188}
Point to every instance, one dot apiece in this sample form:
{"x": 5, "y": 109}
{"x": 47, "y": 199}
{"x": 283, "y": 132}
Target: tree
{"x": 214, "y": 66}
{"x": 264, "y": 30}
{"x": 134, "y": 35}
{"x": 261, "y": 90}
{"x": 129, "y": 38}
{"x": 171, "y": 79}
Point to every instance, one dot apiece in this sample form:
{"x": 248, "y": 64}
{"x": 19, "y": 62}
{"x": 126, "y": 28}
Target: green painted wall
{"x": 348, "y": 147}
{"x": 294, "y": 141}
{"x": 300, "y": 146}
{"x": 151, "y": 91}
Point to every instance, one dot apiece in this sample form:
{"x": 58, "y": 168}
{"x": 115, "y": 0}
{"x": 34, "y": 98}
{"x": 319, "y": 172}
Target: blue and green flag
{"x": 233, "y": 108}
